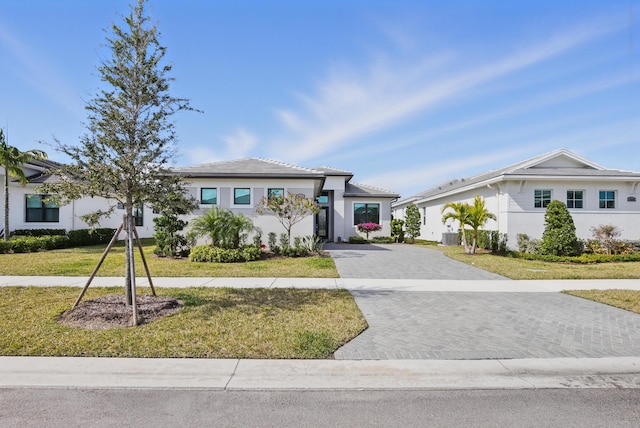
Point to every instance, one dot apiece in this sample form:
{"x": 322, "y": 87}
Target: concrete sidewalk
{"x": 527, "y": 286}
{"x": 230, "y": 374}
{"x": 233, "y": 374}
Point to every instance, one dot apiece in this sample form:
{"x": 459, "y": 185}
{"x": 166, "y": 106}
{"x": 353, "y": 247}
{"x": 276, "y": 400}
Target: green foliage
{"x": 559, "y": 237}
{"x": 38, "y": 232}
{"x": 169, "y": 241}
{"x": 412, "y": 221}
{"x": 529, "y": 246}
{"x": 207, "y": 253}
{"x": 314, "y": 343}
{"x": 474, "y": 216}
{"x": 382, "y": 240}
{"x": 581, "y": 259}
{"x": 272, "y": 241}
{"x": 84, "y": 237}
{"x": 289, "y": 210}
{"x": 12, "y": 160}
{"x": 297, "y": 251}
{"x": 605, "y": 235}
{"x": 313, "y": 243}
{"x": 357, "y": 240}
{"x": 397, "y": 230}
{"x": 224, "y": 228}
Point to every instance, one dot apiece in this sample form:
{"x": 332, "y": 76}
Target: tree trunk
{"x": 128, "y": 264}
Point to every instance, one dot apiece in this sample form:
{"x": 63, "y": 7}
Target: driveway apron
{"x": 472, "y": 325}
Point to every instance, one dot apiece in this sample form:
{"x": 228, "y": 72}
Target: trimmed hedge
{"x": 207, "y": 253}
{"x": 75, "y": 238}
{"x": 582, "y": 259}
{"x": 357, "y": 240}
{"x": 38, "y": 232}
{"x": 382, "y": 240}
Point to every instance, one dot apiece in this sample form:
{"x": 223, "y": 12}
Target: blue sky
{"x": 406, "y": 94}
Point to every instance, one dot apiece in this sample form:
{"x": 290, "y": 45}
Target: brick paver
{"x": 461, "y": 325}
{"x": 399, "y": 261}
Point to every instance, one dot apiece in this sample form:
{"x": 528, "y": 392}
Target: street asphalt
{"x": 430, "y": 327}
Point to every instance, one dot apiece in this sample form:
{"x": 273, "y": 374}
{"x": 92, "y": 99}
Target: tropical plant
{"x": 12, "y": 160}
{"x": 559, "y": 236}
{"x": 289, "y": 209}
{"x": 412, "y": 222}
{"x": 224, "y": 228}
{"x": 169, "y": 241}
{"x": 606, "y": 235}
{"x": 477, "y": 218}
{"x": 457, "y": 211}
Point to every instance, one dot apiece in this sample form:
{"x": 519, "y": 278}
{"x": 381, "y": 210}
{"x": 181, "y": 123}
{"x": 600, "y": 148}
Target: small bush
{"x": 38, "y": 232}
{"x": 272, "y": 241}
{"x": 294, "y": 251}
{"x": 357, "y": 240}
{"x": 582, "y": 259}
{"x": 207, "y": 253}
{"x": 382, "y": 240}
{"x": 528, "y": 246}
{"x": 397, "y": 230}
{"x": 84, "y": 237}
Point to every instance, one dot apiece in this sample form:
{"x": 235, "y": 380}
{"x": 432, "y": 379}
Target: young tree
{"x": 12, "y": 160}
{"x": 412, "y": 222}
{"x": 478, "y": 216}
{"x": 289, "y": 210}
{"x": 169, "y": 240}
{"x": 559, "y": 236}
{"x": 458, "y": 211}
{"x": 130, "y": 137}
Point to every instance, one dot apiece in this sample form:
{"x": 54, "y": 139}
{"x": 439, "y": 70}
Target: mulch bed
{"x": 111, "y": 311}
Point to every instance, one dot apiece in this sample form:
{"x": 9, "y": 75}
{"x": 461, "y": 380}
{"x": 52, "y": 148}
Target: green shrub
{"x": 38, "y": 232}
{"x": 294, "y": 251}
{"x": 581, "y": 259}
{"x": 84, "y": 237}
{"x": 397, "y": 230}
{"x": 272, "y": 241}
{"x": 207, "y": 253}
{"x": 559, "y": 237}
{"x": 382, "y": 240}
{"x": 357, "y": 240}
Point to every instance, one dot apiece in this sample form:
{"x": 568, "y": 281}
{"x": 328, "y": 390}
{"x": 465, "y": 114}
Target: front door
{"x": 322, "y": 229}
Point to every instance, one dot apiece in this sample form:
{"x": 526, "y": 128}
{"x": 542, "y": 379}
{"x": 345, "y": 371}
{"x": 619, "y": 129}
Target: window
{"x": 323, "y": 198}
{"x": 275, "y": 193}
{"x": 607, "y": 199}
{"x": 424, "y": 216}
{"x": 575, "y": 199}
{"x": 208, "y": 196}
{"x": 366, "y": 213}
{"x": 542, "y": 198}
{"x": 138, "y": 215}
{"x": 41, "y": 210}
{"x": 242, "y": 196}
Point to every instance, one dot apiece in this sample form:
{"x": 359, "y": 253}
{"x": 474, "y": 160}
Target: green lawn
{"x": 81, "y": 262}
{"x": 624, "y": 299}
{"x": 214, "y": 323}
{"x": 532, "y": 269}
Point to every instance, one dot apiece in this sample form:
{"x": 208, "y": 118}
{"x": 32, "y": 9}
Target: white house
{"x": 237, "y": 185}
{"x": 518, "y": 195}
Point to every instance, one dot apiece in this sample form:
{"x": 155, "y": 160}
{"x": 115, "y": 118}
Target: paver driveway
{"x": 398, "y": 261}
{"x": 477, "y": 325}
{"x": 472, "y": 325}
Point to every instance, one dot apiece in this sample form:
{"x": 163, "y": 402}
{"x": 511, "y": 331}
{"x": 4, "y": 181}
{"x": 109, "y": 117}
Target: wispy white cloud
{"x": 240, "y": 143}
{"x": 349, "y": 104}
{"x": 32, "y": 67}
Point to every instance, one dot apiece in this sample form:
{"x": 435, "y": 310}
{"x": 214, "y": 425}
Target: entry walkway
{"x": 398, "y": 261}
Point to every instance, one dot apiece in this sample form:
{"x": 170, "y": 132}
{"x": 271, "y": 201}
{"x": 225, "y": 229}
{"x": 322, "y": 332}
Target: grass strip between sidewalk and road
{"x": 214, "y": 323}
{"x": 623, "y": 299}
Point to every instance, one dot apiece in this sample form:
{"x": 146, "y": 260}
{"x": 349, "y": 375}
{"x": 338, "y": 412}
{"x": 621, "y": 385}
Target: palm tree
{"x": 459, "y": 211}
{"x": 12, "y": 160}
{"x": 478, "y": 216}
{"x": 223, "y": 227}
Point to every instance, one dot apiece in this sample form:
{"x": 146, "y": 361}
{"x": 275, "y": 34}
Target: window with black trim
{"x": 138, "y": 215}
{"x": 607, "y": 199}
{"x": 275, "y": 193}
{"x": 575, "y": 199}
{"x": 541, "y": 198}
{"x": 208, "y": 196}
{"x": 39, "y": 209}
{"x": 242, "y": 196}
{"x": 366, "y": 213}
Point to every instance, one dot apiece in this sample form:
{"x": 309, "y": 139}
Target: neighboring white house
{"x": 518, "y": 195}
{"x": 237, "y": 185}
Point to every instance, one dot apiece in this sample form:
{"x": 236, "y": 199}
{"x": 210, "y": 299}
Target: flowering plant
{"x": 368, "y": 227}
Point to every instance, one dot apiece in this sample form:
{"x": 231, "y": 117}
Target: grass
{"x": 81, "y": 262}
{"x": 624, "y": 299}
{"x": 214, "y": 323}
{"x": 533, "y": 269}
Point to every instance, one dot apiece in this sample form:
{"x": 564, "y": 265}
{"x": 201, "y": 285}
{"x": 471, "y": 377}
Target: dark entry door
{"x": 322, "y": 223}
